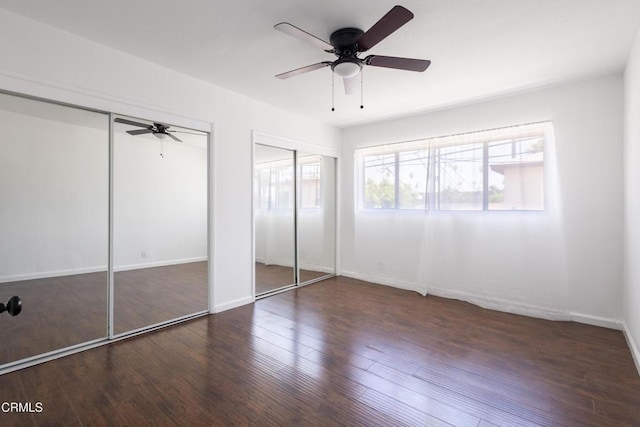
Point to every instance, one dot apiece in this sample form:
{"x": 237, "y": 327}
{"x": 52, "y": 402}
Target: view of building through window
{"x": 500, "y": 169}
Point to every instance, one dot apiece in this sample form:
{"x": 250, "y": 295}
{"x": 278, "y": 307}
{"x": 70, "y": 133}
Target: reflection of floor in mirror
{"x": 272, "y": 276}
{"x": 58, "y": 312}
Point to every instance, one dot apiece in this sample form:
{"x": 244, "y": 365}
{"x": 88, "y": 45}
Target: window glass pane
{"x": 516, "y": 174}
{"x": 379, "y": 181}
{"x": 413, "y": 173}
{"x": 497, "y": 169}
{"x": 459, "y": 185}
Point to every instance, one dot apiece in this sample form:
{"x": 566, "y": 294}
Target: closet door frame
{"x": 265, "y": 139}
{"x": 108, "y": 108}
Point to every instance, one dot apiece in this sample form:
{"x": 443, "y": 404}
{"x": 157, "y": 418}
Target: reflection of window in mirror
{"x": 274, "y": 185}
{"x": 311, "y": 183}
{"x": 274, "y": 219}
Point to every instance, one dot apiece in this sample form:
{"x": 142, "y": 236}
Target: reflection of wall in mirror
{"x": 273, "y": 209}
{"x": 54, "y": 189}
{"x": 54, "y": 193}
{"x": 160, "y": 202}
{"x": 274, "y": 229}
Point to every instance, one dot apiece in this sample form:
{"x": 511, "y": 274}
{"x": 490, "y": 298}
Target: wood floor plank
{"x": 404, "y": 414}
{"x": 451, "y": 398}
{"x": 431, "y": 405}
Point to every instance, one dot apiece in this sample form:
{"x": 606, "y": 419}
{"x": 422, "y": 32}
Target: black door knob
{"x": 13, "y": 307}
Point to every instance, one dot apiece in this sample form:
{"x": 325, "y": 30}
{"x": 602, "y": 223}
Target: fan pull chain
{"x": 333, "y": 91}
{"x": 362, "y": 88}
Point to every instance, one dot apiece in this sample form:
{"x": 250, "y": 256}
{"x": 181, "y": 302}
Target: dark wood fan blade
{"x": 296, "y": 32}
{"x": 303, "y": 70}
{"x": 408, "y": 64}
{"x": 131, "y": 122}
{"x": 351, "y": 84}
{"x": 139, "y": 132}
{"x": 173, "y": 137}
{"x": 394, "y": 19}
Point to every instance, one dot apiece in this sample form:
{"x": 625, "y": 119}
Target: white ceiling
{"x": 478, "y": 48}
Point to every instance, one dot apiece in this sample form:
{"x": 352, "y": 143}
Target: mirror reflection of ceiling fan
{"x": 347, "y": 43}
{"x": 159, "y": 130}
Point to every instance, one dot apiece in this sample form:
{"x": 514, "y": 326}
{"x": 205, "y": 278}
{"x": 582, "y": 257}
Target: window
{"x": 500, "y": 169}
{"x": 460, "y": 177}
{"x": 379, "y": 177}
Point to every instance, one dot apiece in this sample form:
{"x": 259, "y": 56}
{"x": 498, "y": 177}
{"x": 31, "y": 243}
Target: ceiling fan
{"x": 347, "y": 43}
{"x": 158, "y": 129}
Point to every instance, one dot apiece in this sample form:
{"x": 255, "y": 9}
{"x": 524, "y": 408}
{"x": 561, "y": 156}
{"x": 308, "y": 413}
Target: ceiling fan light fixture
{"x": 160, "y": 135}
{"x": 347, "y": 68}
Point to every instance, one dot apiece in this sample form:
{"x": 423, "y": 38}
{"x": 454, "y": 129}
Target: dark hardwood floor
{"x": 59, "y": 312}
{"x": 342, "y": 352}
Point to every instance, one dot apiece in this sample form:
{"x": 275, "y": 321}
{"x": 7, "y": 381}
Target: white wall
{"x": 581, "y": 280}
{"x": 43, "y": 61}
{"x": 632, "y": 200}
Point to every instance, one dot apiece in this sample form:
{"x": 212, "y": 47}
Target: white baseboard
{"x": 635, "y": 351}
{"x": 287, "y": 263}
{"x": 232, "y": 304}
{"x": 503, "y": 305}
{"x": 596, "y": 321}
{"x": 493, "y": 303}
{"x": 48, "y": 274}
{"x": 320, "y": 268}
{"x": 158, "y": 264}
{"x": 86, "y": 270}
{"x": 379, "y": 280}
{"x": 280, "y": 262}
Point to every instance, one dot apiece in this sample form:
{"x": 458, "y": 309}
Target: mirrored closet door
{"x": 294, "y": 218}
{"x": 54, "y": 233}
{"x": 160, "y": 223}
{"x": 316, "y": 216}
{"x": 274, "y": 217}
{"x": 103, "y": 227}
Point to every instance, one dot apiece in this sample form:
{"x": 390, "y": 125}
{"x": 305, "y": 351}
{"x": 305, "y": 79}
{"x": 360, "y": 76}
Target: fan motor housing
{"x": 345, "y": 41}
